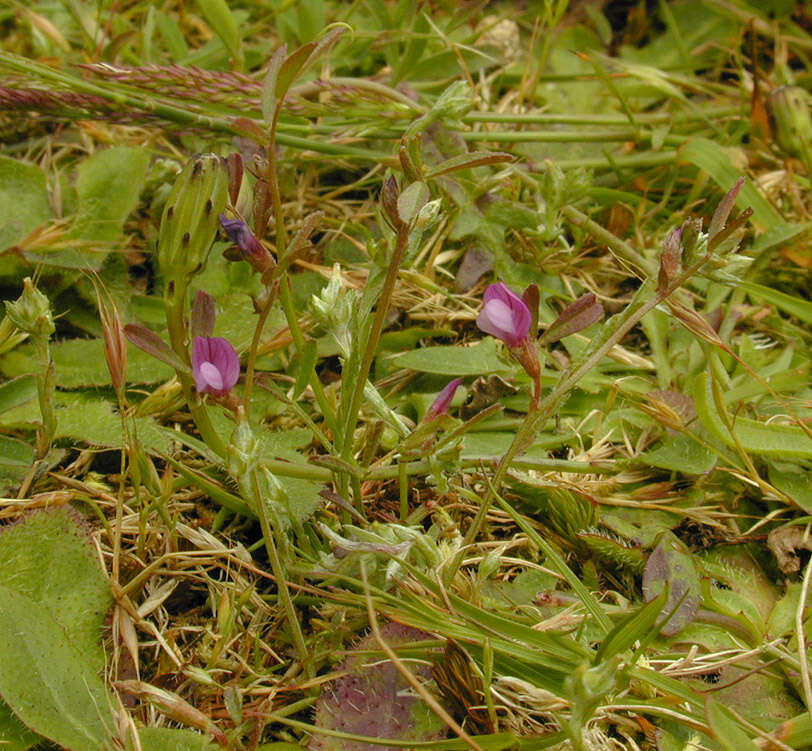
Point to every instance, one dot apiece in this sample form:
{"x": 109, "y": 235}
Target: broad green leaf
{"x": 680, "y": 453}
{"x": 480, "y": 359}
{"x": 24, "y": 203}
{"x": 108, "y": 185}
{"x": 670, "y": 568}
{"x": 14, "y": 453}
{"x": 780, "y": 441}
{"x": 93, "y": 421}
{"x": 782, "y": 617}
{"x": 717, "y": 162}
{"x": 81, "y": 362}
{"x": 172, "y": 739}
{"x": 17, "y": 392}
{"x": 48, "y": 683}
{"x": 14, "y": 736}
{"x": 793, "y": 480}
{"x": 49, "y": 558}
{"x": 726, "y": 729}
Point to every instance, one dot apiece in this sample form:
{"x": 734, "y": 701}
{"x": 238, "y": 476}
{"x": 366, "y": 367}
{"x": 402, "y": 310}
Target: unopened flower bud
{"x": 252, "y": 250}
{"x": 115, "y": 345}
{"x": 454, "y": 102}
{"x": 442, "y": 401}
{"x": 670, "y": 258}
{"x": 789, "y": 107}
{"x": 189, "y": 222}
{"x": 389, "y": 200}
{"x": 31, "y": 311}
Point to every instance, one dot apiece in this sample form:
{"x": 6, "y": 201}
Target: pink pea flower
{"x": 442, "y": 401}
{"x": 215, "y": 365}
{"x": 504, "y": 315}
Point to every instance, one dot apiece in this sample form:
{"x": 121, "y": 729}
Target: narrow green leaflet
{"x": 726, "y": 729}
{"x": 708, "y": 156}
{"x": 635, "y": 627}
{"x": 680, "y": 453}
{"x": 480, "y": 359}
{"x": 220, "y": 18}
{"x": 781, "y": 441}
{"x": 794, "y": 306}
{"x": 46, "y": 681}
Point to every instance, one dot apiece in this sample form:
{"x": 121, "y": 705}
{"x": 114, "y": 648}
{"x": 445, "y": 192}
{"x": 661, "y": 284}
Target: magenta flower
{"x": 215, "y": 365}
{"x": 442, "y": 401}
{"x": 504, "y": 315}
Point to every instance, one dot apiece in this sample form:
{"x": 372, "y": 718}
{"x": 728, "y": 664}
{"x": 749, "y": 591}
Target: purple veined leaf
{"x": 370, "y": 698}
{"x": 203, "y": 314}
{"x": 723, "y": 210}
{"x": 670, "y": 258}
{"x": 234, "y": 168}
{"x": 577, "y": 316}
{"x": 476, "y": 262}
{"x": 148, "y": 341}
{"x": 670, "y": 568}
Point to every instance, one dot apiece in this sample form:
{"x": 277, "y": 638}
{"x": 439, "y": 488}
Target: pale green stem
{"x": 278, "y": 570}
{"x": 286, "y": 301}
{"x": 371, "y": 345}
{"x": 548, "y": 406}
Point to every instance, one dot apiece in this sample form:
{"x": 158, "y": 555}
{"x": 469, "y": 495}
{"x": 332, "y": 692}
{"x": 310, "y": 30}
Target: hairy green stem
{"x": 371, "y": 344}
{"x": 279, "y": 574}
{"x": 291, "y": 317}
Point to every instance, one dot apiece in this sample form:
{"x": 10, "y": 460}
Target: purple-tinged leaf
{"x": 577, "y": 316}
{"x": 466, "y": 161}
{"x": 203, "y": 314}
{"x": 670, "y": 568}
{"x": 148, "y": 341}
{"x": 723, "y": 209}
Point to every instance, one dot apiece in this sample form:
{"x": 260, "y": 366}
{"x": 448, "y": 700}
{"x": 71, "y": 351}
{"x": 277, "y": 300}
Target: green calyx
{"x": 189, "y": 223}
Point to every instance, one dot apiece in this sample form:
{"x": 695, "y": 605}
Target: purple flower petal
{"x": 504, "y": 315}
{"x": 215, "y": 365}
{"x": 442, "y": 401}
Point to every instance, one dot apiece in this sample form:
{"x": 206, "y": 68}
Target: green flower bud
{"x": 454, "y": 102}
{"x": 190, "y": 219}
{"x": 31, "y": 312}
{"x": 789, "y": 107}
